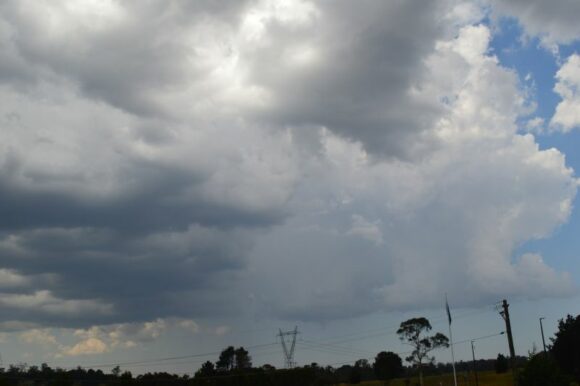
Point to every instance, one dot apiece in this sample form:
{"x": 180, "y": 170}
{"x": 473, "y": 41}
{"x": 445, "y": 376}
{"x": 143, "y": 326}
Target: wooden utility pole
{"x": 505, "y": 314}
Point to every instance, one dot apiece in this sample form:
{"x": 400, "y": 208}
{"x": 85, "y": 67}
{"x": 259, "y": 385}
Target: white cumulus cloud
{"x": 567, "y": 115}
{"x": 256, "y": 147}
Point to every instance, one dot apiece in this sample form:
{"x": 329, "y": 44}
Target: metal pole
{"x": 451, "y": 339}
{"x": 474, "y": 369}
{"x": 542, "y": 330}
{"x": 452, "y": 357}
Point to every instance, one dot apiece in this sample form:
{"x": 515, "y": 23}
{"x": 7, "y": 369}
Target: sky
{"x": 180, "y": 176}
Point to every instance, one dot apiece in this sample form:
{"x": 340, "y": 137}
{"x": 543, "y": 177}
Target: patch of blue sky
{"x": 534, "y": 64}
{"x": 536, "y": 67}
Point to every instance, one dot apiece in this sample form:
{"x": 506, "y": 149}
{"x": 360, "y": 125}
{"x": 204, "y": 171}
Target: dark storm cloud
{"x": 157, "y": 243}
{"x": 148, "y": 206}
{"x": 146, "y": 148}
{"x": 142, "y": 276}
{"x": 366, "y": 56}
{"x": 361, "y": 85}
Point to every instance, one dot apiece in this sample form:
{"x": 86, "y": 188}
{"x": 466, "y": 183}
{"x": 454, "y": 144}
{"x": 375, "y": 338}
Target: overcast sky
{"x": 178, "y": 176}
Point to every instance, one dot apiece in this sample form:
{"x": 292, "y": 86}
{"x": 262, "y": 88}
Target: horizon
{"x": 178, "y": 177}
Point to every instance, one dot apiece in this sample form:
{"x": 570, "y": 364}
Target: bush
{"x": 542, "y": 370}
{"x": 501, "y": 364}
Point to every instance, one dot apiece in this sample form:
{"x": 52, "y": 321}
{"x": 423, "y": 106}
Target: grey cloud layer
{"x": 180, "y": 160}
{"x": 351, "y": 67}
{"x": 553, "y": 21}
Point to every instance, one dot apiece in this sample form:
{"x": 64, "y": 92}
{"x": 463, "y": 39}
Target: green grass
{"x": 486, "y": 378}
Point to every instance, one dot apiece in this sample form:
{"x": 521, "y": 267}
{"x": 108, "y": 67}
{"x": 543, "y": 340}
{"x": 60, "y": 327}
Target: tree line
{"x": 558, "y": 366}
{"x": 234, "y": 367}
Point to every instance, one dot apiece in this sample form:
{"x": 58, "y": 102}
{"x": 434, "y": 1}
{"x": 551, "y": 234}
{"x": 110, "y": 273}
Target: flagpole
{"x": 451, "y": 340}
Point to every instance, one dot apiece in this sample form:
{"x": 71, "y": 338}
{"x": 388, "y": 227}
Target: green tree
{"x": 206, "y": 370}
{"x": 33, "y": 371}
{"x": 126, "y": 378}
{"x": 542, "y": 370}
{"x": 355, "y": 374}
{"x": 46, "y": 370}
{"x": 501, "y": 364}
{"x": 388, "y": 365}
{"x": 412, "y": 332}
{"x": 226, "y": 359}
{"x": 116, "y": 371}
{"x": 365, "y": 369}
{"x": 566, "y": 346}
{"x": 243, "y": 359}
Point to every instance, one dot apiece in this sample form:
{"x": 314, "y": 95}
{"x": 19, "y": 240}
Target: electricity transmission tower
{"x": 288, "y": 337}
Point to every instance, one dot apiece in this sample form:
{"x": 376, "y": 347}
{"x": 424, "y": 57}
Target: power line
{"x": 481, "y": 337}
{"x": 328, "y": 344}
{"x": 355, "y": 359}
{"x": 331, "y": 351}
{"x": 391, "y": 330}
{"x": 333, "y": 346}
{"x": 170, "y": 358}
{"x": 164, "y": 362}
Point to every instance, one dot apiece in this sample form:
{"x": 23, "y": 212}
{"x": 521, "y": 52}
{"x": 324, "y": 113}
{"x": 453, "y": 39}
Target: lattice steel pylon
{"x": 288, "y": 352}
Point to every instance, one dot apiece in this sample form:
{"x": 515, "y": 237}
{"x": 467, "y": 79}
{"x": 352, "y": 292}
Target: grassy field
{"x": 486, "y": 378}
